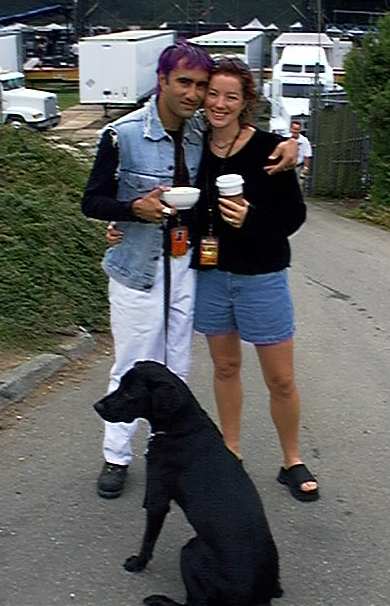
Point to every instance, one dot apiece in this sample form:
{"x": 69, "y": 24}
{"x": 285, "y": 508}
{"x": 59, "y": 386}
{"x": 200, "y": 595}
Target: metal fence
{"x": 340, "y": 149}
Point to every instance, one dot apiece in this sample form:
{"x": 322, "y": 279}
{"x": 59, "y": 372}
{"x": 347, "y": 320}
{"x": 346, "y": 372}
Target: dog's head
{"x": 150, "y": 391}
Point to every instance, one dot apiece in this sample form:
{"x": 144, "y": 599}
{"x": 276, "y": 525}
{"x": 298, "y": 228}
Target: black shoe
{"x": 111, "y": 480}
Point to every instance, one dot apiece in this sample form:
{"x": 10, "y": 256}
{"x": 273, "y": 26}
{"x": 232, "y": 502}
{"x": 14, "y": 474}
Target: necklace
{"x": 227, "y": 143}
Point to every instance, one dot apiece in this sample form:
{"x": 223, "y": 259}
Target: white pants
{"x": 138, "y": 329}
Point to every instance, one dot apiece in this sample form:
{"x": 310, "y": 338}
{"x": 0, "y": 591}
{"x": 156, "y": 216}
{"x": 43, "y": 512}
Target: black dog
{"x": 232, "y": 560}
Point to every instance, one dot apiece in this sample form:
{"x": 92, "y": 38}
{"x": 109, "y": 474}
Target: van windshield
{"x": 13, "y": 83}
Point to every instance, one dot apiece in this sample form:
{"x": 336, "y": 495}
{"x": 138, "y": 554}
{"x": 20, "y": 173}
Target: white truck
{"x": 18, "y": 104}
{"x": 120, "y": 68}
{"x": 294, "y": 77}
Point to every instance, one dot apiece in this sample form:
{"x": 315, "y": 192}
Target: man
{"x": 304, "y": 150}
{"x": 151, "y": 291}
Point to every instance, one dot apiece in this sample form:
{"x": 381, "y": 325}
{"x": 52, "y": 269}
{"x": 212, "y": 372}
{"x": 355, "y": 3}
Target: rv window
{"x": 291, "y": 67}
{"x": 311, "y": 69}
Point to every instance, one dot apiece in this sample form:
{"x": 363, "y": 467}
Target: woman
{"x": 244, "y": 294}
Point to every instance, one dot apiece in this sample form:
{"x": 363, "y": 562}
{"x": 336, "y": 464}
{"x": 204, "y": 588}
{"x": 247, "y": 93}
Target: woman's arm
{"x": 277, "y": 208}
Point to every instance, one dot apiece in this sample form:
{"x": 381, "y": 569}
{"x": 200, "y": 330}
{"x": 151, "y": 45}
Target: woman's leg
{"x": 225, "y": 351}
{"x": 278, "y": 369}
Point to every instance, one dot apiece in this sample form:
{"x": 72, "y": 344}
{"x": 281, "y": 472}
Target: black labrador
{"x": 232, "y": 560}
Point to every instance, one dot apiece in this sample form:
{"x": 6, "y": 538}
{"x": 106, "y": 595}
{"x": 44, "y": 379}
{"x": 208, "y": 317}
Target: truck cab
{"x": 21, "y": 105}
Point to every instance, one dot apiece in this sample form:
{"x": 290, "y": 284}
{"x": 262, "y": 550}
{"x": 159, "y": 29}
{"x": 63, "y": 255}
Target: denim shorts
{"x": 259, "y": 307}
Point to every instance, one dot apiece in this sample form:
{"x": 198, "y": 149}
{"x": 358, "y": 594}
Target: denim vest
{"x": 146, "y": 160}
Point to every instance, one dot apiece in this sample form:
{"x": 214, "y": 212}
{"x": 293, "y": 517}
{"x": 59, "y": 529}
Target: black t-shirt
{"x": 276, "y": 209}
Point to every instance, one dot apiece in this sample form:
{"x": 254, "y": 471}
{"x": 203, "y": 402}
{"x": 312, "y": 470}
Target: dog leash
{"x": 167, "y": 284}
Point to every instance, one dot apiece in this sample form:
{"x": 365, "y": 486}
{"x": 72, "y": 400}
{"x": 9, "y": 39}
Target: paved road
{"x": 61, "y": 545}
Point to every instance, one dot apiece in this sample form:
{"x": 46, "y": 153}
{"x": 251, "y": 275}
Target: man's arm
{"x": 287, "y": 151}
{"x": 99, "y": 199}
{"x": 307, "y": 155}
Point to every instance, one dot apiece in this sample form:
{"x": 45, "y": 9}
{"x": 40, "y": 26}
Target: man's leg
{"x": 137, "y": 327}
{"x": 181, "y": 315}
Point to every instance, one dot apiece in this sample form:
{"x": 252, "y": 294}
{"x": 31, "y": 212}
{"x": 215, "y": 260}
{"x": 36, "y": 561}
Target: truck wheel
{"x": 15, "y": 121}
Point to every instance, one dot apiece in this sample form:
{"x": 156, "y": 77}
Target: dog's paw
{"x": 135, "y": 564}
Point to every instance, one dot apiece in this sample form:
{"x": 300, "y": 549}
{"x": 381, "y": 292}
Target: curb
{"x": 19, "y": 382}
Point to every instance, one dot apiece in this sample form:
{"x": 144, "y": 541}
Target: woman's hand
{"x": 287, "y": 151}
{"x": 233, "y": 211}
{"x": 113, "y": 235}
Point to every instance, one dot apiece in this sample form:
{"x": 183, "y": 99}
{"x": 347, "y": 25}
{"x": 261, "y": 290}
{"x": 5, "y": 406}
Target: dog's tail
{"x": 278, "y": 591}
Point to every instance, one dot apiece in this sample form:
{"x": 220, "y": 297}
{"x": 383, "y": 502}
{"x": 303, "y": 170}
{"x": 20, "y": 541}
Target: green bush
{"x": 50, "y": 275}
{"x": 367, "y": 82}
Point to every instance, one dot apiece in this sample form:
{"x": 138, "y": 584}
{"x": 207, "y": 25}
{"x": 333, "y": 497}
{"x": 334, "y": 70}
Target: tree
{"x": 367, "y": 82}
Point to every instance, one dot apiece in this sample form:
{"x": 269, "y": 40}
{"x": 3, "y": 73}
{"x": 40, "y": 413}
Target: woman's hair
{"x": 233, "y": 66}
{"x": 194, "y": 56}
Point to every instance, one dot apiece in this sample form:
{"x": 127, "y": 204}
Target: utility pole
{"x": 196, "y": 10}
{"x": 1, "y": 103}
{"x": 315, "y": 103}
{"x": 81, "y": 10}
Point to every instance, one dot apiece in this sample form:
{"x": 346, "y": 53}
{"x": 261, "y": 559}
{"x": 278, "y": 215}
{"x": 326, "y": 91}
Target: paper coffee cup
{"x": 230, "y": 185}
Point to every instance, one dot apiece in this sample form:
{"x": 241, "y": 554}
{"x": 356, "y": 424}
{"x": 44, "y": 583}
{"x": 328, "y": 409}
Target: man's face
{"x": 181, "y": 93}
{"x": 295, "y": 129}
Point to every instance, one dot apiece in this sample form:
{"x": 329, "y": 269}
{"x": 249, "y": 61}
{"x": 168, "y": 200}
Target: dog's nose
{"x": 100, "y": 408}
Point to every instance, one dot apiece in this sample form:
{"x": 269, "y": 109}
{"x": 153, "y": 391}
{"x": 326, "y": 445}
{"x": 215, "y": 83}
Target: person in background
{"x": 242, "y": 284}
{"x": 304, "y": 150}
{"x": 156, "y": 146}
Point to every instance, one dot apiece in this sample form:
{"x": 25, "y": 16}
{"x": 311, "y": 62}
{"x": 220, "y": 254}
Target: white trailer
{"x": 11, "y": 51}
{"x": 120, "y": 68}
{"x": 247, "y": 45}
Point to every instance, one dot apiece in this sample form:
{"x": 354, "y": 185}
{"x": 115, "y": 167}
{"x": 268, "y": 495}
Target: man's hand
{"x": 287, "y": 151}
{"x": 150, "y": 208}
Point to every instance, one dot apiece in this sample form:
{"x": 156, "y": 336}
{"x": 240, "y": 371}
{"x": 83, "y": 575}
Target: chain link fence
{"x": 340, "y": 149}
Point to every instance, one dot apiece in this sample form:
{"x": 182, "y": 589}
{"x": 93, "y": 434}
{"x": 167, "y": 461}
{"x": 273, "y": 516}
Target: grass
{"x": 68, "y": 98}
{"x": 67, "y": 94}
{"x": 50, "y": 275}
{"x": 360, "y": 210}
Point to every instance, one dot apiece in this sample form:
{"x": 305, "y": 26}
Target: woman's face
{"x": 224, "y": 100}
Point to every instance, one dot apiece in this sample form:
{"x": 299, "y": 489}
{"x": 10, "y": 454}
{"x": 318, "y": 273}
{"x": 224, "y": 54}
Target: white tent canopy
{"x": 51, "y": 27}
{"x": 297, "y": 25}
{"x": 17, "y": 27}
{"x": 254, "y": 24}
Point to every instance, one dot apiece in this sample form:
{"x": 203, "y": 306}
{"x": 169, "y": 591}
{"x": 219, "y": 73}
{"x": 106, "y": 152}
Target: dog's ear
{"x": 166, "y": 400}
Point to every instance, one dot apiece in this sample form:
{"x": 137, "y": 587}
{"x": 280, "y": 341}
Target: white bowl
{"x": 182, "y": 198}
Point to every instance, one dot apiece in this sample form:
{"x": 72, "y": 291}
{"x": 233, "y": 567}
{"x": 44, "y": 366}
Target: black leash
{"x": 167, "y": 282}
